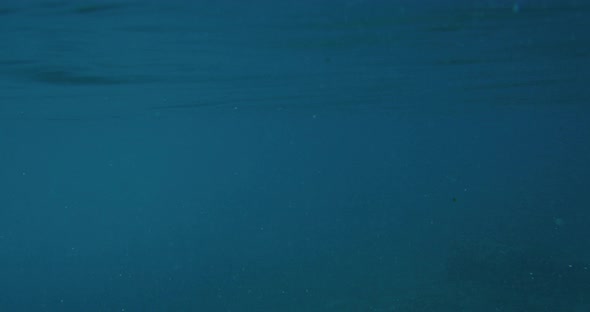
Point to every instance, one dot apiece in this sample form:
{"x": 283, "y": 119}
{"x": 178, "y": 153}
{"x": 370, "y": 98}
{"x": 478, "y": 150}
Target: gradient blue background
{"x": 294, "y": 155}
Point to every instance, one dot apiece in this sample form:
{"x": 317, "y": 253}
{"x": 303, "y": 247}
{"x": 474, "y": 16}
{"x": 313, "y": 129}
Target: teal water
{"x": 294, "y": 156}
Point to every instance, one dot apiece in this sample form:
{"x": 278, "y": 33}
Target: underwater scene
{"x": 290, "y": 156}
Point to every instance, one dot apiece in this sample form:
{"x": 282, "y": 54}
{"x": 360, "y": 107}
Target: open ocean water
{"x": 295, "y": 156}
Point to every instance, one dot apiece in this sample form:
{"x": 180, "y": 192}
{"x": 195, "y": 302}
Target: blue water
{"x": 294, "y": 156}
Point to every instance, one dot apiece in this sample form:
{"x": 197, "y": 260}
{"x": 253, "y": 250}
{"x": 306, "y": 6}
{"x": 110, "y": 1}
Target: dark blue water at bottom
{"x": 229, "y": 156}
